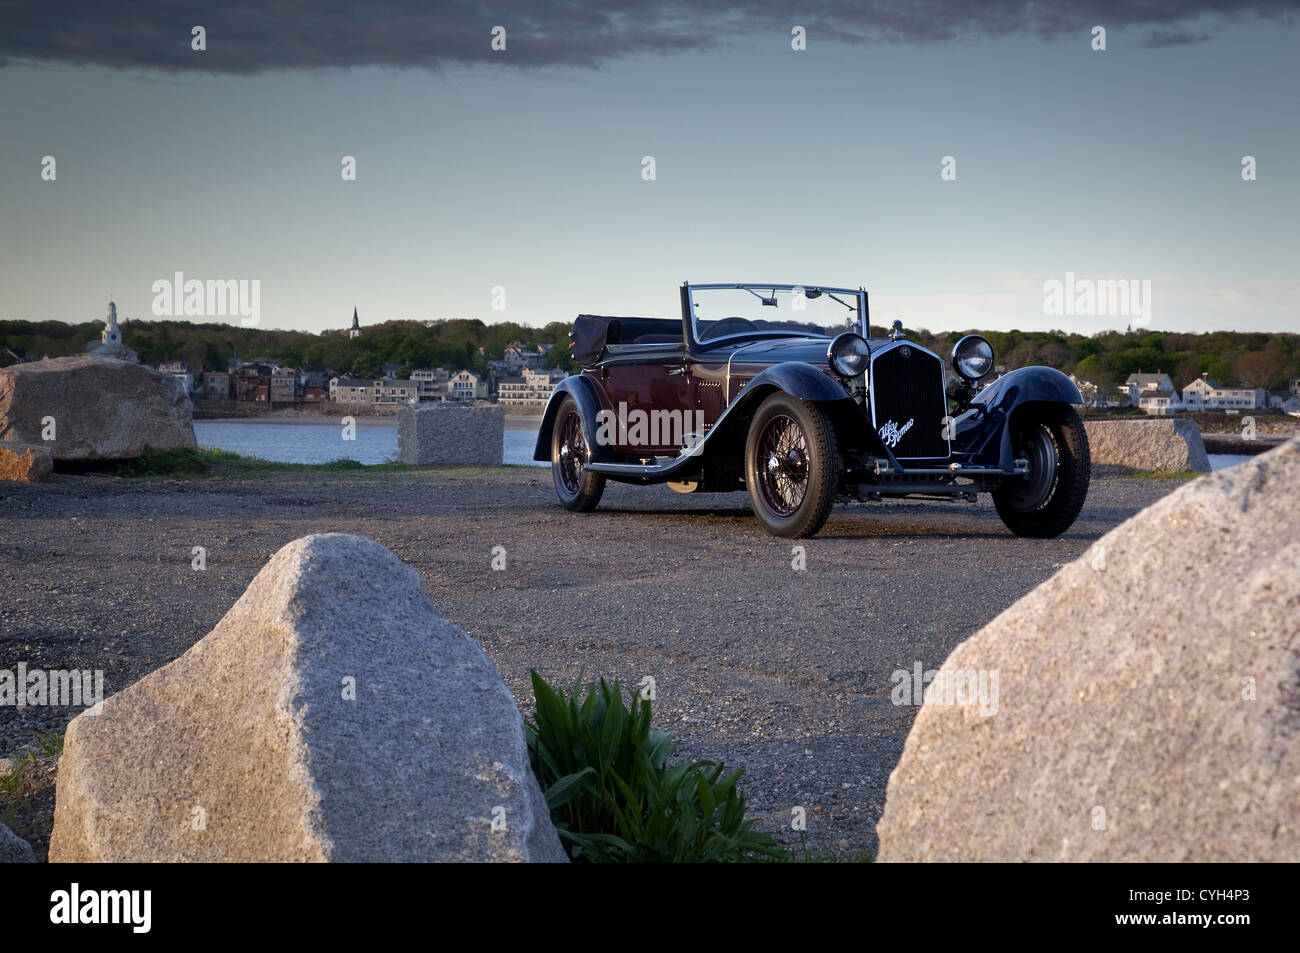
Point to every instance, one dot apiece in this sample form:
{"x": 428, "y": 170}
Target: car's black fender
{"x": 583, "y": 391}
{"x": 985, "y": 429}
{"x": 795, "y": 378}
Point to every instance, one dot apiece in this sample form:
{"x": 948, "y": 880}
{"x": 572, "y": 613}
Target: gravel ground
{"x": 784, "y": 673}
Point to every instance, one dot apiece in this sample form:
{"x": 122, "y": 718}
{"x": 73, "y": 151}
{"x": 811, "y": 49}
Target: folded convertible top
{"x": 592, "y": 333}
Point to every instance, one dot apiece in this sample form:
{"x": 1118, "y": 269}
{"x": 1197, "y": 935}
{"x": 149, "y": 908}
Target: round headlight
{"x": 972, "y": 358}
{"x": 848, "y": 354}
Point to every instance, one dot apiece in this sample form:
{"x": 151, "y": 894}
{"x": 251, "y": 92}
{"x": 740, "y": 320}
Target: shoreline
{"x": 513, "y": 421}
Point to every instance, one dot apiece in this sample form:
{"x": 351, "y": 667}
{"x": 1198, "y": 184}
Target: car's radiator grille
{"x": 908, "y": 399}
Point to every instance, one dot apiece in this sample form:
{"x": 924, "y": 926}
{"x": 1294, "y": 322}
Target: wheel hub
{"x": 1035, "y": 487}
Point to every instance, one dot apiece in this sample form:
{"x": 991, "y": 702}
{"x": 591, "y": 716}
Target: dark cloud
{"x": 246, "y": 36}
{"x": 1158, "y": 38}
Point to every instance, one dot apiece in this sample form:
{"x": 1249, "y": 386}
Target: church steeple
{"x": 355, "y": 330}
{"x": 111, "y": 333}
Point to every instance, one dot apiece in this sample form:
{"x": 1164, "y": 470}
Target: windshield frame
{"x": 858, "y": 296}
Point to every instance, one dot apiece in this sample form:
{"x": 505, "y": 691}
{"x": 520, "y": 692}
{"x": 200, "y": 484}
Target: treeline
{"x": 457, "y": 344}
{"x": 1249, "y": 359}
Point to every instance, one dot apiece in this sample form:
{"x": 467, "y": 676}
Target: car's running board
{"x": 674, "y": 466}
{"x": 1020, "y": 468}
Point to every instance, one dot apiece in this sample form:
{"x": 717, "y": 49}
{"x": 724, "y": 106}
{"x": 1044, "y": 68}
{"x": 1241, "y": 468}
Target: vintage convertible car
{"x": 802, "y": 414}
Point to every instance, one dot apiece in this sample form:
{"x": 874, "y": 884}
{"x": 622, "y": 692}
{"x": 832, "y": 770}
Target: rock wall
{"x": 1160, "y": 446}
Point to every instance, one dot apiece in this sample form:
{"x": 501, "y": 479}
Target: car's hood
{"x": 811, "y": 350}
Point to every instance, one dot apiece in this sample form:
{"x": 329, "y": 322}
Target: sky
{"x": 512, "y": 184}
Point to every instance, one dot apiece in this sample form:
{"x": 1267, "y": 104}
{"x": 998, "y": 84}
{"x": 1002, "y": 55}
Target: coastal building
{"x": 253, "y": 383}
{"x": 431, "y": 383}
{"x": 466, "y": 385}
{"x": 1293, "y": 385}
{"x": 1159, "y": 402}
{"x": 1282, "y": 400}
{"x": 355, "y": 330}
{"x": 389, "y": 391}
{"x": 529, "y": 392}
{"x": 110, "y": 340}
{"x": 217, "y": 386}
{"x": 284, "y": 384}
{"x": 518, "y": 356}
{"x": 371, "y": 390}
{"x": 511, "y": 391}
{"x": 178, "y": 369}
{"x": 1139, "y": 382}
{"x": 314, "y": 376}
{"x": 1205, "y": 393}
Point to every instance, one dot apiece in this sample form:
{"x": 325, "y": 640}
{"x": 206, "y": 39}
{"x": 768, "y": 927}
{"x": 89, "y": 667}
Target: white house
{"x": 1139, "y": 383}
{"x": 529, "y": 391}
{"x": 1205, "y": 393}
{"x": 1159, "y": 401}
{"x": 466, "y": 385}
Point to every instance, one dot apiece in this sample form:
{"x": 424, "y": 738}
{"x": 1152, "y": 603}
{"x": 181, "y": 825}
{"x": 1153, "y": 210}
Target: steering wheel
{"x": 729, "y": 326}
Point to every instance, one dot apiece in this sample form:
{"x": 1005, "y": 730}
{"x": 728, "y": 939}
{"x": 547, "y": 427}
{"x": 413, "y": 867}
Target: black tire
{"x": 579, "y": 489}
{"x": 792, "y": 466}
{"x": 1044, "y": 503}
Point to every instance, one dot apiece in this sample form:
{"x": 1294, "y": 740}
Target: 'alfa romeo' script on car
{"x": 891, "y": 433}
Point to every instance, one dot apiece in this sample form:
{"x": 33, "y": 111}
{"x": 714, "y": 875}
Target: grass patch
{"x": 1153, "y": 475}
{"x": 51, "y": 745}
{"x": 208, "y": 463}
{"x": 804, "y": 855}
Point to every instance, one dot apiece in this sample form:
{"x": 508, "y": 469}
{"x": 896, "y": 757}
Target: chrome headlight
{"x": 972, "y": 358}
{"x": 849, "y": 354}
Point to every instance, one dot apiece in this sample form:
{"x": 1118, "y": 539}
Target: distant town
{"x": 403, "y": 362}
{"x": 1156, "y": 394}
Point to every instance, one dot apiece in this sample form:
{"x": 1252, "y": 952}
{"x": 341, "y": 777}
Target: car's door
{"x": 648, "y": 392}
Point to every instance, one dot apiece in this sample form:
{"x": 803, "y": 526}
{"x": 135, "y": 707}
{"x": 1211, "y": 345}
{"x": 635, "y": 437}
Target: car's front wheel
{"x": 578, "y": 488}
{"x": 791, "y": 466}
{"x": 1045, "y": 501}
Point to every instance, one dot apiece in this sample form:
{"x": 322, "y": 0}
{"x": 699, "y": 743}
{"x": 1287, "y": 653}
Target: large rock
{"x": 13, "y": 849}
{"x": 102, "y": 409}
{"x": 1160, "y": 446}
{"x": 1148, "y": 701}
{"x": 24, "y": 462}
{"x": 451, "y": 434}
{"x": 252, "y": 735}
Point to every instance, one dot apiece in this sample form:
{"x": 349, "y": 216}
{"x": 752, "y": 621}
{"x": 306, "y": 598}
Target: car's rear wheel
{"x": 1045, "y": 501}
{"x": 578, "y": 488}
{"x": 791, "y": 466}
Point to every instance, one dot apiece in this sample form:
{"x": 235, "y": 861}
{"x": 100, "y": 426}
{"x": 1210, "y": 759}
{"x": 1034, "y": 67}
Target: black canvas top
{"x": 592, "y": 333}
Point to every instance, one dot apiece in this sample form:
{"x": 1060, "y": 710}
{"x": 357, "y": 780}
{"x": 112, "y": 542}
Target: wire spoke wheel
{"x": 571, "y": 455}
{"x": 791, "y": 466}
{"x": 783, "y": 455}
{"x": 577, "y": 487}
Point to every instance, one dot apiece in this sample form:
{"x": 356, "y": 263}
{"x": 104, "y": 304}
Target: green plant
{"x": 51, "y": 744}
{"x": 611, "y": 793}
